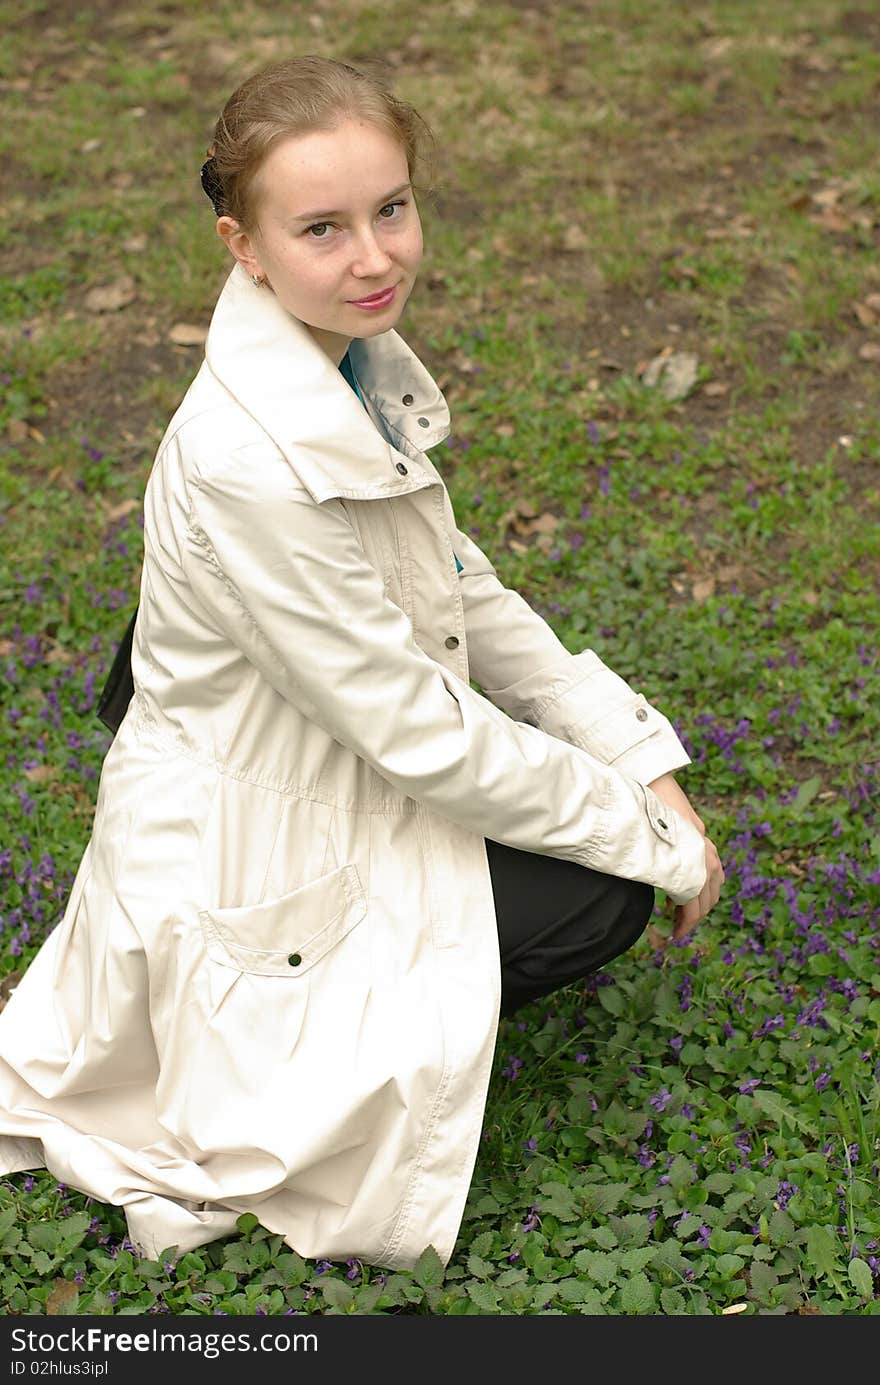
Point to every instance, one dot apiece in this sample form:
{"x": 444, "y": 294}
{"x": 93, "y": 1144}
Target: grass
{"x": 697, "y": 1129}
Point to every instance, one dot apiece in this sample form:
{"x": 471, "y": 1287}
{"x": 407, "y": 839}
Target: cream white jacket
{"x": 275, "y": 987}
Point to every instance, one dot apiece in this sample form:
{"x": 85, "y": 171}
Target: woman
{"x": 321, "y": 861}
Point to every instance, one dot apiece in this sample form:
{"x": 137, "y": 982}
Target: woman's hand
{"x": 687, "y": 916}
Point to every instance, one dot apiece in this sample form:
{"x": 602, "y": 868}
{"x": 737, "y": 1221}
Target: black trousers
{"x": 558, "y": 921}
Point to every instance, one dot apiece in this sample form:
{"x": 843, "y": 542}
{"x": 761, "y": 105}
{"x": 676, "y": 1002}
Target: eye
{"x": 317, "y": 226}
{"x": 401, "y": 203}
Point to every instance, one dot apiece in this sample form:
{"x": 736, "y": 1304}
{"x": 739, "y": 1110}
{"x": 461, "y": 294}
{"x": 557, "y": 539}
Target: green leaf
{"x": 681, "y": 1175}
{"x": 636, "y": 1259}
{"x": 728, "y": 1265}
{"x": 482, "y": 1244}
{"x": 805, "y": 794}
{"x": 631, "y": 1230}
{"x": 247, "y": 1222}
{"x": 762, "y": 1280}
{"x": 600, "y": 1268}
{"x": 485, "y": 1296}
{"x": 861, "y": 1278}
{"x": 638, "y": 1295}
{"x": 781, "y": 1227}
{"x": 600, "y": 1199}
{"x": 823, "y": 1249}
{"x": 718, "y": 1182}
{"x": 673, "y": 1303}
{"x": 429, "y": 1268}
{"x": 479, "y": 1268}
{"x": 45, "y": 1235}
{"x": 558, "y": 1200}
{"x": 337, "y": 1293}
{"x": 611, "y": 1000}
{"x": 367, "y": 1297}
{"x": 575, "y": 1290}
{"x": 782, "y": 1111}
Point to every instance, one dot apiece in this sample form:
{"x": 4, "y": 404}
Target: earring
{"x": 255, "y": 279}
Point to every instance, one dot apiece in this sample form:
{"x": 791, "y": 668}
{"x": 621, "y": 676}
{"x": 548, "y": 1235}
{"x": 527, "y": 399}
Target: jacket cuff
{"x": 590, "y": 706}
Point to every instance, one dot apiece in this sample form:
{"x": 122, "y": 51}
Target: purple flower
{"x": 532, "y": 1220}
{"x": 750, "y": 1085}
{"x": 660, "y": 1100}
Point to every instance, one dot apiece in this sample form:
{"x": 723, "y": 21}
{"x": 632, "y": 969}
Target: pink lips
{"x": 376, "y": 300}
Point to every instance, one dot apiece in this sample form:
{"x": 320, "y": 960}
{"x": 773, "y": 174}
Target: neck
{"x": 331, "y": 342}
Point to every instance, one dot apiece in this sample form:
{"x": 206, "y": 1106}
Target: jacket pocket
{"x": 289, "y": 935}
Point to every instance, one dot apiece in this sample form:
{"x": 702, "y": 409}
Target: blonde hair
{"x": 291, "y": 98}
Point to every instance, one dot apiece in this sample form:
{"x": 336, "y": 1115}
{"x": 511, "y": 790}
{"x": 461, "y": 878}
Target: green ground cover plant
{"x": 696, "y": 1130}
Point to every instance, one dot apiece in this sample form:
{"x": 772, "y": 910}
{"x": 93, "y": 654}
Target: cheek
{"x": 415, "y": 245}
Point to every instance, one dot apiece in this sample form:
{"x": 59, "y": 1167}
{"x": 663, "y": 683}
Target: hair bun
{"x": 211, "y": 184}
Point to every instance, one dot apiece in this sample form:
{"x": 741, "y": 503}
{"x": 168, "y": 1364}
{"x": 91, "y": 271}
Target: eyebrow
{"x": 321, "y": 216}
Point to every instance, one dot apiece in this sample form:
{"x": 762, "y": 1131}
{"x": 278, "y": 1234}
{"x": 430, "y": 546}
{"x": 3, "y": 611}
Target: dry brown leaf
{"x": 870, "y": 351}
{"x": 673, "y": 372}
{"x": 544, "y": 524}
{"x": 62, "y": 1298}
{"x": 124, "y": 507}
{"x": 40, "y": 773}
{"x": 58, "y": 655}
{"x": 872, "y": 301}
{"x": 505, "y": 430}
{"x": 8, "y": 984}
{"x": 575, "y": 238}
{"x": 826, "y": 197}
{"x": 733, "y": 1308}
{"x": 109, "y": 298}
{"x": 187, "y": 334}
{"x": 17, "y": 430}
{"x": 516, "y": 547}
{"x": 831, "y": 220}
{"x": 703, "y": 588}
{"x": 866, "y": 315}
{"x": 715, "y": 388}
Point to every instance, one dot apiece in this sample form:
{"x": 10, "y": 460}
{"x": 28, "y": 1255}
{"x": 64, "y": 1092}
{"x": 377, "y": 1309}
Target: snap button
{"x": 641, "y": 714}
{"x": 664, "y": 825}
{"x": 294, "y": 959}
{"x": 401, "y": 468}
{"x": 424, "y": 423}
{"x": 407, "y": 399}
{"x": 452, "y": 642}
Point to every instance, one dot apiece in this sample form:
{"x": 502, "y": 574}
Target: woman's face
{"x": 336, "y": 221}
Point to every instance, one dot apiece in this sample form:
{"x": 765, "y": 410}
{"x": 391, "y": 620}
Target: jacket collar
{"x": 274, "y": 368}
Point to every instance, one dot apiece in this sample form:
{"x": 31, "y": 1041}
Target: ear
{"x": 240, "y": 244}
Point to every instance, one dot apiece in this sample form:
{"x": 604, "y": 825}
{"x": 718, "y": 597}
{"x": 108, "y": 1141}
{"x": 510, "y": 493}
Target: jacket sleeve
{"x": 289, "y": 584}
{"x": 526, "y": 671}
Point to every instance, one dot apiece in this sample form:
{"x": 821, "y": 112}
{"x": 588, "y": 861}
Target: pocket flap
{"x": 286, "y": 936}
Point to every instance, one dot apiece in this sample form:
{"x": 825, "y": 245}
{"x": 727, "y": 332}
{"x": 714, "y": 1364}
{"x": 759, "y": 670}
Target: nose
{"x": 370, "y": 259}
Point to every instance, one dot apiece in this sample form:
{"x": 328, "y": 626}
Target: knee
{"x": 637, "y": 905}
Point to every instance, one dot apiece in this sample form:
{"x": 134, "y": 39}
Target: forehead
{"x": 354, "y": 163}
